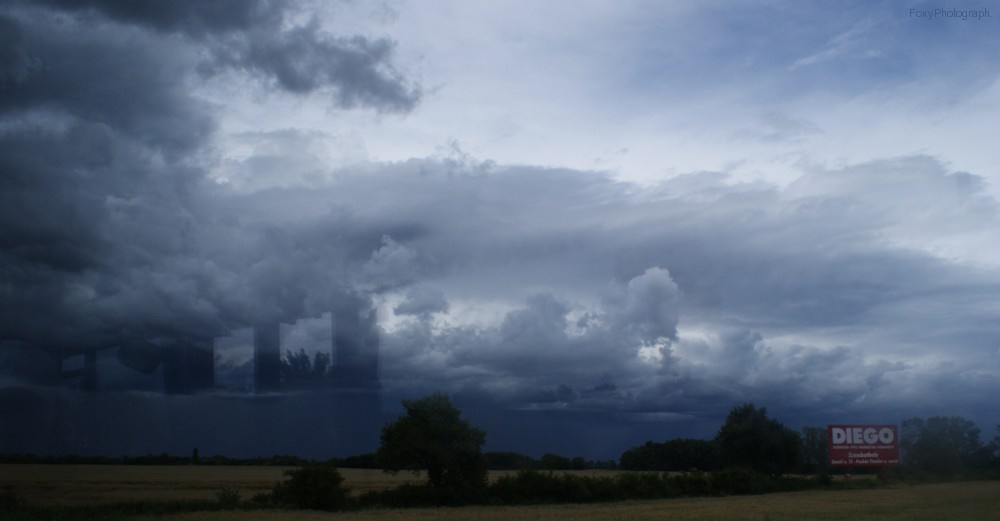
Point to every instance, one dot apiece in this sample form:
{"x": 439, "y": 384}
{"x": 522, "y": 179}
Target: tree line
{"x": 943, "y": 446}
{"x": 750, "y": 454}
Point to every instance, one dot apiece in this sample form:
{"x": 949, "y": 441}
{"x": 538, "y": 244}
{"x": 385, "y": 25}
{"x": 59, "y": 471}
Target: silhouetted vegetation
{"x": 751, "y": 454}
{"x": 297, "y": 370}
{"x": 360, "y": 461}
{"x": 946, "y": 446}
{"x": 509, "y": 461}
{"x": 548, "y": 461}
{"x": 277, "y": 460}
{"x": 814, "y": 451}
{"x": 433, "y": 437}
{"x": 313, "y": 487}
{"x": 749, "y": 439}
{"x": 672, "y": 455}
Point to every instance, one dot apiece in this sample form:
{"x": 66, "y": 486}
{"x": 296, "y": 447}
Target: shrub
{"x": 530, "y": 486}
{"x": 527, "y": 486}
{"x": 740, "y": 481}
{"x": 646, "y": 485}
{"x": 407, "y": 495}
{"x": 262, "y": 499}
{"x": 314, "y": 486}
{"x": 228, "y": 497}
{"x": 694, "y": 483}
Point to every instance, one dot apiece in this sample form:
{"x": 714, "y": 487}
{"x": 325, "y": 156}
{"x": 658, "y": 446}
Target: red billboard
{"x": 862, "y": 445}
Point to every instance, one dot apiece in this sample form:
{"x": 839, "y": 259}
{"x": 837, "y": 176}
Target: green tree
{"x": 432, "y": 436}
{"x": 944, "y": 445}
{"x": 672, "y": 455}
{"x": 550, "y": 461}
{"x": 994, "y": 451}
{"x": 751, "y": 440}
{"x": 815, "y": 457}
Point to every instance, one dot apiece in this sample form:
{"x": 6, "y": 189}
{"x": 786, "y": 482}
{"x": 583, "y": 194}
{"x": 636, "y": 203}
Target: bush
{"x": 694, "y": 483}
{"x": 530, "y": 486}
{"x": 741, "y": 481}
{"x": 228, "y": 497}
{"x": 262, "y": 499}
{"x": 314, "y": 486}
{"x": 646, "y": 485}
{"x": 527, "y": 486}
{"x": 404, "y": 496}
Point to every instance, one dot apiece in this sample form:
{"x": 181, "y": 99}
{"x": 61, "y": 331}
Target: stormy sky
{"x": 608, "y": 220}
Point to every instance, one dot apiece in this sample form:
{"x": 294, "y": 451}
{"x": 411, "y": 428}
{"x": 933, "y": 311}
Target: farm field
{"x": 978, "y": 501}
{"x": 104, "y": 484}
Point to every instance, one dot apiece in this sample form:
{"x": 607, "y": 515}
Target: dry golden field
{"x": 970, "y": 501}
{"x": 102, "y": 484}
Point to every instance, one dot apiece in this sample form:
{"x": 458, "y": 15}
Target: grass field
{"x": 969, "y": 501}
{"x": 972, "y": 501}
{"x": 102, "y": 484}
{"x": 105, "y": 484}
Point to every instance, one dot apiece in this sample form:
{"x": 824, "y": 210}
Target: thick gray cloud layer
{"x": 256, "y": 37}
{"x": 695, "y": 293}
{"x": 106, "y": 210}
{"x": 852, "y": 291}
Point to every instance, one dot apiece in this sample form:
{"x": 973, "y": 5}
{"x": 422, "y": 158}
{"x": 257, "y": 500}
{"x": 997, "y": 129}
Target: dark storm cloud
{"x": 786, "y": 294}
{"x": 302, "y": 60}
{"x": 515, "y": 288}
{"x": 111, "y": 228}
{"x": 95, "y": 131}
{"x": 187, "y": 16}
{"x": 256, "y": 37}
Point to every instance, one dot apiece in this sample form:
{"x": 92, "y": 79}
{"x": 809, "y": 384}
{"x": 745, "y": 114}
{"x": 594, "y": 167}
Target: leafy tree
{"x": 643, "y": 457}
{"x": 815, "y": 455}
{"x": 550, "y": 461}
{"x": 432, "y": 436}
{"x": 297, "y": 368}
{"x": 672, "y": 455}
{"x": 509, "y": 461}
{"x": 750, "y": 439}
{"x": 944, "y": 445}
{"x": 994, "y": 451}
